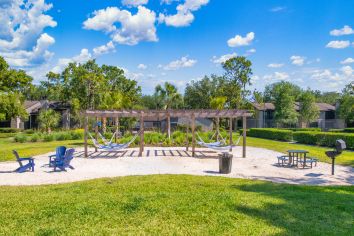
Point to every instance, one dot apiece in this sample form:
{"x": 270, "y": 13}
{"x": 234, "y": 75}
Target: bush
{"x": 9, "y": 130}
{"x": 305, "y": 129}
{"x": 35, "y": 137}
{"x": 77, "y": 134}
{"x": 63, "y": 136}
{"x": 29, "y": 131}
{"x": 349, "y": 130}
{"x": 270, "y": 133}
{"x": 20, "y": 138}
{"x": 336, "y": 130}
{"x": 48, "y": 137}
{"x": 327, "y": 139}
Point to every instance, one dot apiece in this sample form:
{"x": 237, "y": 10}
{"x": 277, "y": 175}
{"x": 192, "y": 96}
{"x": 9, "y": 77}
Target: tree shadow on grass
{"x": 301, "y": 210}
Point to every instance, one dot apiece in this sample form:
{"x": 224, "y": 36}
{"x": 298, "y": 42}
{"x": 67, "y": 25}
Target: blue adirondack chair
{"x": 59, "y": 153}
{"x": 64, "y": 162}
{"x": 24, "y": 166}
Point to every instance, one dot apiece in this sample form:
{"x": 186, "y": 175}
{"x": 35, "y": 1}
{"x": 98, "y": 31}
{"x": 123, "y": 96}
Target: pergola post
{"x": 96, "y": 132}
{"x": 244, "y": 126}
{"x": 117, "y": 129}
{"x": 193, "y": 134}
{"x": 168, "y": 125}
{"x": 230, "y": 134}
{"x": 217, "y": 128}
{"x": 104, "y": 124}
{"x": 85, "y": 136}
{"x": 141, "y": 150}
{"x": 187, "y": 138}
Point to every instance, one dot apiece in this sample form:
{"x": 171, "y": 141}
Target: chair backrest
{"x": 60, "y": 151}
{"x": 17, "y": 157}
{"x": 69, "y": 155}
{"x": 340, "y": 146}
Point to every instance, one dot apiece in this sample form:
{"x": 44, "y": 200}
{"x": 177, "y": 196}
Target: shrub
{"x": 77, "y": 134}
{"x": 327, "y": 139}
{"x": 29, "y": 131}
{"x": 270, "y": 133}
{"x": 336, "y": 130}
{"x": 48, "y": 137}
{"x": 20, "y": 138}
{"x": 304, "y": 129}
{"x": 35, "y": 137}
{"x": 349, "y": 130}
{"x": 63, "y": 136}
{"x": 9, "y": 130}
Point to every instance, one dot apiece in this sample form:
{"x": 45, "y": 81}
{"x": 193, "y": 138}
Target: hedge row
{"x": 305, "y": 129}
{"x": 324, "y": 138}
{"x": 270, "y": 133}
{"x": 9, "y": 130}
{"x": 58, "y": 136}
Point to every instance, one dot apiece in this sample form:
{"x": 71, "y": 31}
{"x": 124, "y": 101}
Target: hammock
{"x": 217, "y": 143}
{"x": 219, "y": 147}
{"x": 115, "y": 146}
{"x": 105, "y": 141}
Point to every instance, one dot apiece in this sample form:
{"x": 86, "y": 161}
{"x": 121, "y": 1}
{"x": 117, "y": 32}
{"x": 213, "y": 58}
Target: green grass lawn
{"x": 346, "y": 158}
{"x": 176, "y": 205}
{"x": 31, "y": 149}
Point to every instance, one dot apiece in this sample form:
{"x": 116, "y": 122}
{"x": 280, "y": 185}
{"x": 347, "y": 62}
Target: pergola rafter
{"x": 167, "y": 114}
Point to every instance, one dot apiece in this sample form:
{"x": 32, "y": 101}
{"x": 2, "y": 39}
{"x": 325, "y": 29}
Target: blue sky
{"x": 310, "y": 43}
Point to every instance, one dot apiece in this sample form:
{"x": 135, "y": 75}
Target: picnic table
{"x": 295, "y": 155}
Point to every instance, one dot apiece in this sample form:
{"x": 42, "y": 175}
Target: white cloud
{"x": 338, "y": 44}
{"x": 180, "y": 63}
{"x": 22, "y": 41}
{"x": 132, "y": 28}
{"x": 346, "y": 30}
{"x": 347, "y": 71}
{"x": 276, "y": 76}
{"x": 168, "y": 2}
{"x": 142, "y": 66}
{"x": 275, "y": 65}
{"x": 250, "y": 51}
{"x": 347, "y": 61}
{"x": 134, "y": 3}
{"x": 278, "y": 9}
{"x": 83, "y": 57}
{"x": 297, "y": 60}
{"x": 184, "y": 15}
{"x": 104, "y": 49}
{"x": 238, "y": 40}
{"x": 223, "y": 58}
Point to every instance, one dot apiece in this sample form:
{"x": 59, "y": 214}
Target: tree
{"x": 168, "y": 96}
{"x": 328, "y": 97}
{"x": 309, "y": 111}
{"x": 218, "y": 103}
{"x": 48, "y": 119}
{"x": 346, "y": 104}
{"x": 238, "y": 72}
{"x": 284, "y": 103}
{"x": 272, "y": 91}
{"x": 11, "y": 106}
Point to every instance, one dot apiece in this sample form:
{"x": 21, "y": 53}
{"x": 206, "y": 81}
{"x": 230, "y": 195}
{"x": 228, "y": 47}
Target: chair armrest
{"x": 52, "y": 156}
{"x": 25, "y": 158}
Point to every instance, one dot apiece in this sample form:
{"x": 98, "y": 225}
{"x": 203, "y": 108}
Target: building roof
{"x": 270, "y": 106}
{"x": 35, "y": 106}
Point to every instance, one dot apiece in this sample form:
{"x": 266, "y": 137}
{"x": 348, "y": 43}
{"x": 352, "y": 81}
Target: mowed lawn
{"x": 32, "y": 149}
{"x": 176, "y": 205}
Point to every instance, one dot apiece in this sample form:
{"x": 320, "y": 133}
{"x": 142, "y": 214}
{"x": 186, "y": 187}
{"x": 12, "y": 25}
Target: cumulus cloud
{"x": 134, "y": 3}
{"x": 277, "y": 9}
{"x": 184, "y": 15}
{"x": 132, "y": 28}
{"x": 347, "y": 61}
{"x": 347, "y": 71}
{"x": 297, "y": 60}
{"x": 104, "y": 49}
{"x": 83, "y": 57}
{"x": 275, "y": 65}
{"x": 238, "y": 40}
{"x": 22, "y": 41}
{"x": 223, "y": 58}
{"x": 338, "y": 44}
{"x": 276, "y": 76}
{"x": 180, "y": 63}
{"x": 346, "y": 30}
{"x": 142, "y": 67}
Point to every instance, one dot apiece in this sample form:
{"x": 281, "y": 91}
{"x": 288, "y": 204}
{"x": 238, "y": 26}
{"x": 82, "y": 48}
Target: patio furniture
{"x": 282, "y": 160}
{"x": 296, "y": 156}
{"x": 59, "y": 153}
{"x": 64, "y": 162}
{"x": 24, "y": 166}
{"x": 340, "y": 146}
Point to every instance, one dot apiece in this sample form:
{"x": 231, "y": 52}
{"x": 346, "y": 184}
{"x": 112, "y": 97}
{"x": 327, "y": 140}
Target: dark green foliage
{"x": 304, "y": 129}
{"x": 20, "y": 138}
{"x": 269, "y": 133}
{"x": 327, "y": 139}
{"x": 9, "y": 130}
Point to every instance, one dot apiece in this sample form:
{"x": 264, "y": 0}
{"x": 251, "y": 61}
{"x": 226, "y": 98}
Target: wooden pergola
{"x": 167, "y": 114}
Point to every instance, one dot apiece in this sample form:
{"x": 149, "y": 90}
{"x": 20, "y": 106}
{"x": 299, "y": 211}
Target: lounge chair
{"x": 64, "y": 162}
{"x": 59, "y": 153}
{"x": 24, "y": 166}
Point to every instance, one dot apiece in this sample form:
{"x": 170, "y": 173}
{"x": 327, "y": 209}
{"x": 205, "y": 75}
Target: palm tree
{"x": 167, "y": 96}
{"x": 48, "y": 119}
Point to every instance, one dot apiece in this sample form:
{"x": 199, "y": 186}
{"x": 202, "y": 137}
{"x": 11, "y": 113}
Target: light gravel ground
{"x": 259, "y": 164}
